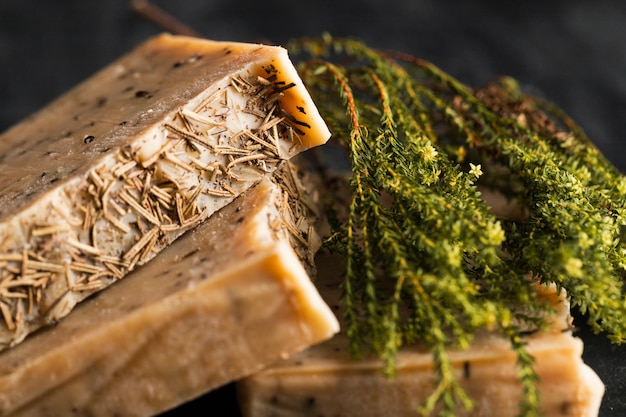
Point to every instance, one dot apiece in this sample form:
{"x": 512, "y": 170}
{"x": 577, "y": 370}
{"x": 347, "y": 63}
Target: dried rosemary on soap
{"x": 427, "y": 259}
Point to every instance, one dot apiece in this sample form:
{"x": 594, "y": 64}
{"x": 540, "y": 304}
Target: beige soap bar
{"x": 223, "y": 301}
{"x": 323, "y": 381}
{"x": 105, "y": 177}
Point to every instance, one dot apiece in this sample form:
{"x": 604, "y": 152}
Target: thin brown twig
{"x": 162, "y": 18}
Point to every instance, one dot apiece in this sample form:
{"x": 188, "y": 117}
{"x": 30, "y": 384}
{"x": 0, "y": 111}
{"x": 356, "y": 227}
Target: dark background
{"x": 572, "y": 52}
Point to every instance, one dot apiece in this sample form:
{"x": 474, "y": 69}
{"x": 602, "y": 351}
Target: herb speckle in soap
{"x": 309, "y": 402}
{"x": 190, "y": 254}
{"x": 189, "y": 60}
{"x": 142, "y": 94}
{"x": 466, "y": 369}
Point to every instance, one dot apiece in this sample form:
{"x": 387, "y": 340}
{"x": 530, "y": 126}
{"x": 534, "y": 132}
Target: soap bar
{"x": 226, "y": 299}
{"x": 109, "y": 174}
{"x": 325, "y": 381}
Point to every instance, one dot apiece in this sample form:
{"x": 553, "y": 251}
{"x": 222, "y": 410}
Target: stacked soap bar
{"x": 223, "y": 301}
{"x": 111, "y": 173}
{"x": 325, "y": 381}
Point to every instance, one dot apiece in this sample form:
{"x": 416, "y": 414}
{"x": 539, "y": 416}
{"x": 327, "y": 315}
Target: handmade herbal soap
{"x": 324, "y": 381}
{"x": 223, "y": 301}
{"x": 109, "y": 174}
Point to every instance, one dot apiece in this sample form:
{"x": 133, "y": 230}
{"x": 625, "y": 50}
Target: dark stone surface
{"x": 573, "y": 52}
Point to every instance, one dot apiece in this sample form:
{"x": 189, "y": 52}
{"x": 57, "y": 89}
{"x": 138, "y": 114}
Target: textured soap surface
{"x": 105, "y": 177}
{"x": 223, "y": 301}
{"x": 324, "y": 381}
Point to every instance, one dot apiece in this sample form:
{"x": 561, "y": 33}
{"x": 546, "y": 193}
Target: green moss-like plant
{"x": 426, "y": 258}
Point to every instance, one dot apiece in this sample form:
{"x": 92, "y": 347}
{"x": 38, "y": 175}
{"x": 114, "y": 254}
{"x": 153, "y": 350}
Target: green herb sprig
{"x": 427, "y": 259}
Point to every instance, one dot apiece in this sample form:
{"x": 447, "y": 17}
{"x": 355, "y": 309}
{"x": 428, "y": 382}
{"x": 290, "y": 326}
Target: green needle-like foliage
{"x": 427, "y": 260}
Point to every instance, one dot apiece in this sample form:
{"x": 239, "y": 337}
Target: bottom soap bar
{"x": 323, "y": 382}
{"x": 223, "y": 302}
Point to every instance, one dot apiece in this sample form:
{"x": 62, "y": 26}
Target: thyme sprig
{"x": 427, "y": 260}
